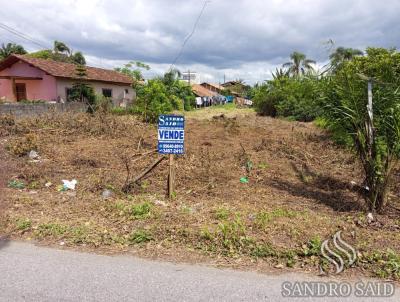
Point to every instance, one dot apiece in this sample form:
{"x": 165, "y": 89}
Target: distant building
{"x": 201, "y": 91}
{"x": 235, "y": 87}
{"x": 213, "y": 87}
{"x": 190, "y": 77}
{"x": 26, "y": 78}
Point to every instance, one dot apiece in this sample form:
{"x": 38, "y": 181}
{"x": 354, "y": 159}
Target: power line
{"x": 21, "y": 35}
{"x": 191, "y": 33}
{"x": 8, "y": 39}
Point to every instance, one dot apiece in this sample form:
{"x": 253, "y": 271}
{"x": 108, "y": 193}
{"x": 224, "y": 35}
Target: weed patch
{"x": 384, "y": 264}
{"x": 139, "y": 236}
{"x": 21, "y": 146}
{"x": 23, "y": 224}
{"x": 222, "y": 213}
{"x": 263, "y": 250}
{"x": 50, "y": 230}
{"x": 263, "y": 217}
{"x": 133, "y": 211}
{"x": 16, "y": 184}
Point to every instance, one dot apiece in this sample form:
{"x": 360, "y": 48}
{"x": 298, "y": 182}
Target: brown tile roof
{"x": 217, "y": 86}
{"x": 68, "y": 70}
{"x": 202, "y": 91}
{"x": 232, "y": 83}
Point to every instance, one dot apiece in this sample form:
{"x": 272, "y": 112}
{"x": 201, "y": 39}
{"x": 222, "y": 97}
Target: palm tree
{"x": 61, "y": 47}
{"x": 279, "y": 74}
{"x": 343, "y": 54}
{"x": 299, "y": 64}
{"x": 10, "y": 48}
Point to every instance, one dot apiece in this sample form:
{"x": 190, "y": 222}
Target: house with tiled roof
{"x": 26, "y": 78}
{"x": 201, "y": 91}
{"x": 213, "y": 87}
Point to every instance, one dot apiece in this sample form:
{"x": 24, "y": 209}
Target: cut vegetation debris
{"x": 300, "y": 193}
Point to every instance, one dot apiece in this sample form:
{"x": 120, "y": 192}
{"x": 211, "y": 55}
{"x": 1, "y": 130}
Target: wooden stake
{"x": 370, "y": 122}
{"x": 171, "y": 177}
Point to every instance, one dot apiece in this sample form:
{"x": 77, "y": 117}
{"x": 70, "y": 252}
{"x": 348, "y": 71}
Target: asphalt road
{"x": 31, "y": 273}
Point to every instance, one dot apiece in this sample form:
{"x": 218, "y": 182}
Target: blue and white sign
{"x": 171, "y": 134}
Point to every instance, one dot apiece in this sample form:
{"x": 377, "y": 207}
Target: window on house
{"x": 126, "y": 91}
{"x": 68, "y": 94}
{"x": 107, "y": 93}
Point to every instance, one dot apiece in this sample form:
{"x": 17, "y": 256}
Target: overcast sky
{"x": 241, "y": 39}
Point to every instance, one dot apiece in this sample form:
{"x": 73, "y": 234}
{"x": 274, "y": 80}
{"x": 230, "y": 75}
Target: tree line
{"x": 337, "y": 98}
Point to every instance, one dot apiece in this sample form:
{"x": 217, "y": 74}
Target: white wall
{"x": 118, "y": 91}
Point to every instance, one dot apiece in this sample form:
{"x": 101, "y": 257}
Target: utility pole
{"x": 224, "y": 78}
{"x": 188, "y": 75}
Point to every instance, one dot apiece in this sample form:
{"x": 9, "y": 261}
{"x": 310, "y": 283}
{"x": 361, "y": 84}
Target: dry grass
{"x": 299, "y": 191}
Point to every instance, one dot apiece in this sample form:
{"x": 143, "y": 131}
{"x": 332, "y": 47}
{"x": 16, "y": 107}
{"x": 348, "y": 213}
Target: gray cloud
{"x": 239, "y": 37}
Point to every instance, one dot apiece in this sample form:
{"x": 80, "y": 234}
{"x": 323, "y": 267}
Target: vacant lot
{"x": 251, "y": 191}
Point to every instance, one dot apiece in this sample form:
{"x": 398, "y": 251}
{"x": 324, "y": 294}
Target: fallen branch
{"x": 128, "y": 161}
{"x": 142, "y": 154}
{"x": 127, "y": 187}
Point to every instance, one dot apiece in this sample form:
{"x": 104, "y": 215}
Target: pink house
{"x": 26, "y": 78}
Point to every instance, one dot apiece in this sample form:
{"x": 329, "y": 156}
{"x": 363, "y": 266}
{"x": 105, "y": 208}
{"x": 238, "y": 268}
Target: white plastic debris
{"x": 106, "y": 194}
{"x": 370, "y": 218}
{"x": 33, "y": 155}
{"x": 69, "y": 185}
{"x": 160, "y": 203}
{"x": 353, "y": 183}
{"x": 48, "y": 184}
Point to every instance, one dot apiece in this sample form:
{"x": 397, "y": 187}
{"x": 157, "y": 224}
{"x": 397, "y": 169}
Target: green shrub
{"x": 153, "y": 100}
{"x": 163, "y": 95}
{"x": 297, "y": 97}
{"x": 265, "y": 101}
{"x": 102, "y": 104}
{"x": 140, "y": 236}
{"x": 346, "y": 98}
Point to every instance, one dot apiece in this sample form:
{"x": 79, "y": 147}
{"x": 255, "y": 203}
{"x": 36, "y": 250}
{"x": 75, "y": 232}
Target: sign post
{"x": 171, "y": 176}
{"x": 171, "y": 137}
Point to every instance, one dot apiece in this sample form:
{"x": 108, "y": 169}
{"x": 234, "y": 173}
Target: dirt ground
{"x": 251, "y": 192}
